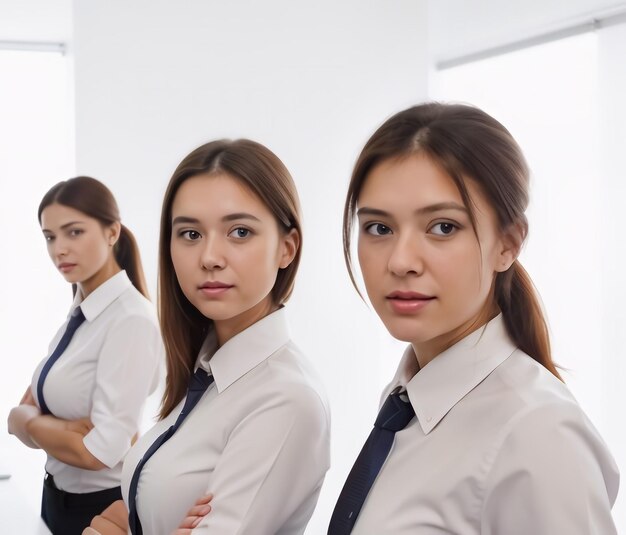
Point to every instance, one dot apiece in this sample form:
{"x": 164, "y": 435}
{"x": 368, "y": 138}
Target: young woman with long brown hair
{"x": 85, "y": 401}
{"x": 477, "y": 433}
{"x": 243, "y": 415}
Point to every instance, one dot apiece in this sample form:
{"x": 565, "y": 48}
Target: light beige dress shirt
{"x": 498, "y": 447}
{"x": 258, "y": 440}
{"x": 106, "y": 373}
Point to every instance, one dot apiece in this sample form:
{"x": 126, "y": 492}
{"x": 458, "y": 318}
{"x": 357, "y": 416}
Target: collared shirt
{"x": 498, "y": 447}
{"x": 258, "y": 440}
{"x": 106, "y": 373}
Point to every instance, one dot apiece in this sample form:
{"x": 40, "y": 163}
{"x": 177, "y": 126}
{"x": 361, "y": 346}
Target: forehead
{"x": 216, "y": 195}
{"x": 414, "y": 182}
{"x": 411, "y": 180}
{"x": 56, "y": 215}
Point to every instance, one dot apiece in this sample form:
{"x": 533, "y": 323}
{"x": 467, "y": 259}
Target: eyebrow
{"x": 64, "y": 226}
{"x": 431, "y": 208}
{"x": 230, "y": 217}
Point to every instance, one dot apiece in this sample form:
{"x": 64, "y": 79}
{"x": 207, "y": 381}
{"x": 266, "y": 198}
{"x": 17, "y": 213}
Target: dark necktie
{"x": 200, "y": 381}
{"x": 76, "y": 319}
{"x": 394, "y": 415}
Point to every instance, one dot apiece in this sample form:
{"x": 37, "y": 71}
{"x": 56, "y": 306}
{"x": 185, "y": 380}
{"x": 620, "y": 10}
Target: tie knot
{"x": 395, "y": 414}
{"x": 76, "y": 318}
{"x": 200, "y": 380}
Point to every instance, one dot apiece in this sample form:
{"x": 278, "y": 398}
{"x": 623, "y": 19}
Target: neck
{"x": 429, "y": 350}
{"x": 110, "y": 268}
{"x": 227, "y": 329}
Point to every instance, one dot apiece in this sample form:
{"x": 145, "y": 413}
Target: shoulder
{"x": 544, "y": 429}
{"x": 293, "y": 382}
{"x": 131, "y": 307}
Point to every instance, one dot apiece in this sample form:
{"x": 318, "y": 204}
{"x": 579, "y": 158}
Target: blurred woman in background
{"x": 86, "y": 397}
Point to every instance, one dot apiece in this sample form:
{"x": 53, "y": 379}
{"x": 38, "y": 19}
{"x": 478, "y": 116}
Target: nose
{"x": 59, "y": 248}
{"x": 406, "y": 257}
{"x": 212, "y": 256}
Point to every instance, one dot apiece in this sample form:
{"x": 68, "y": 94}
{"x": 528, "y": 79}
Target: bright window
{"x": 36, "y": 151}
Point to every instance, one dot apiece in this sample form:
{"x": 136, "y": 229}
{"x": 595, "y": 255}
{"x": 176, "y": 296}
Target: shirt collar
{"x": 244, "y": 351}
{"x": 450, "y": 376}
{"x": 98, "y": 300}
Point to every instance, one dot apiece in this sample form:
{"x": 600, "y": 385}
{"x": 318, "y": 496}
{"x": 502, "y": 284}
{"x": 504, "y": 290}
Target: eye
{"x": 190, "y": 235}
{"x": 377, "y": 229}
{"x": 75, "y": 232}
{"x": 48, "y": 238}
{"x": 240, "y": 232}
{"x": 443, "y": 229}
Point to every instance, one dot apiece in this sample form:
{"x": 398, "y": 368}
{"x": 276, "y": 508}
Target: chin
{"x": 404, "y": 333}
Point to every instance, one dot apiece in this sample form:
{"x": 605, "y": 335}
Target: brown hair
{"x": 467, "y": 143}
{"x": 183, "y": 326}
{"x": 93, "y": 198}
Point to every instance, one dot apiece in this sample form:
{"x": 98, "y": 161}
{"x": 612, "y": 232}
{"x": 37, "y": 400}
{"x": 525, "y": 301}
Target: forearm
{"x": 17, "y": 421}
{"x": 51, "y": 434}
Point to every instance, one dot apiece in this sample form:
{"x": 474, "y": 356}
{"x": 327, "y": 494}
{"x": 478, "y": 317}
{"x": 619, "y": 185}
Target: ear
{"x": 510, "y": 246}
{"x": 289, "y": 248}
{"x": 112, "y": 233}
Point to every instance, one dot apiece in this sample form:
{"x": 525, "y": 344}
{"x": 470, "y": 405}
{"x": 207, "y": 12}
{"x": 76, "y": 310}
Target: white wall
{"x": 154, "y": 79}
{"x": 36, "y": 20}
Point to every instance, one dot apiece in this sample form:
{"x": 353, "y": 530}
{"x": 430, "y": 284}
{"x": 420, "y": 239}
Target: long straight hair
{"x": 468, "y": 144}
{"x": 183, "y": 326}
{"x": 94, "y": 199}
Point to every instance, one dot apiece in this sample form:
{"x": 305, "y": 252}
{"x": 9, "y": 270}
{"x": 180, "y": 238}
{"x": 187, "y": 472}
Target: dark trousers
{"x": 66, "y": 513}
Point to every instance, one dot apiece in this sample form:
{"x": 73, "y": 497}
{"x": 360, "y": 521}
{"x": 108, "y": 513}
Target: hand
{"x": 81, "y": 426}
{"x": 194, "y": 516}
{"x": 18, "y": 421}
{"x": 28, "y": 398}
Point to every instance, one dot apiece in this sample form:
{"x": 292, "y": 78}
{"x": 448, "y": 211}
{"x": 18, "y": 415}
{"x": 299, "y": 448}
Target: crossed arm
{"x": 114, "y": 519}
{"x": 62, "y": 439}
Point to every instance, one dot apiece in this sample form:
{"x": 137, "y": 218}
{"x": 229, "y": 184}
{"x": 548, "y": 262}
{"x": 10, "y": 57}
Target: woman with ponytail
{"x": 85, "y": 400}
{"x": 477, "y": 433}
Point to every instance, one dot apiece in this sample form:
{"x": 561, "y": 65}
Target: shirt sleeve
{"x": 272, "y": 468}
{"x": 552, "y": 474}
{"x": 126, "y": 375}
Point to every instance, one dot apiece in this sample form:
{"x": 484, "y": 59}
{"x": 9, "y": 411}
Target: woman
{"x": 477, "y": 433}
{"x": 243, "y": 415}
{"x": 84, "y": 403}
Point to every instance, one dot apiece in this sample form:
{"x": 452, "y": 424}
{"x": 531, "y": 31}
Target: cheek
{"x": 180, "y": 261}
{"x": 370, "y": 260}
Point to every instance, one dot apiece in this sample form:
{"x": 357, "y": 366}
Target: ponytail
{"x": 523, "y": 315}
{"x": 127, "y": 255}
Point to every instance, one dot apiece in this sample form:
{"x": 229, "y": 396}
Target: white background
{"x": 151, "y": 80}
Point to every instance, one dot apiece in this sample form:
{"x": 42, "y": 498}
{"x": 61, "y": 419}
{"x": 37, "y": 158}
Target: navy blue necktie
{"x": 394, "y": 415}
{"x": 200, "y": 381}
{"x": 76, "y": 320}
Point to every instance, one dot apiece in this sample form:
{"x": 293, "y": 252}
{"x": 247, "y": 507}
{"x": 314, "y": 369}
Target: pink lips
{"x": 66, "y": 267}
{"x": 214, "y": 288}
{"x": 408, "y": 302}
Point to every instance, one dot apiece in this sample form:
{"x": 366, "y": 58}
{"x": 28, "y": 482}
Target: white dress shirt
{"x": 109, "y": 368}
{"x": 258, "y": 440}
{"x": 498, "y": 447}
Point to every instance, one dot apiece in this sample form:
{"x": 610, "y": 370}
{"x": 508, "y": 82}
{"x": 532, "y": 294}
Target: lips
{"x": 66, "y": 266}
{"x": 214, "y": 289}
{"x": 408, "y": 296}
{"x": 408, "y": 302}
{"x": 214, "y": 285}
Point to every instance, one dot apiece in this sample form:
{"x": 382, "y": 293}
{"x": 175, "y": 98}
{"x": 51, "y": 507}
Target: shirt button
{"x": 429, "y": 418}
